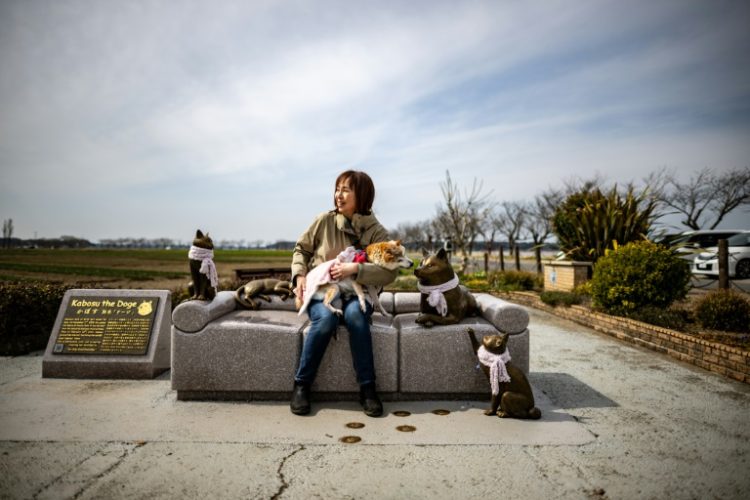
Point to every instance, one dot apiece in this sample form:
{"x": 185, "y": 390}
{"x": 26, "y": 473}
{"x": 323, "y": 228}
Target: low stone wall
{"x": 726, "y": 360}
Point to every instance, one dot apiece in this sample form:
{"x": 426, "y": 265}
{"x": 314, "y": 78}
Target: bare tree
{"x": 488, "y": 230}
{"x": 7, "y": 232}
{"x": 509, "y": 220}
{"x": 460, "y": 216}
{"x": 414, "y": 235}
{"x": 538, "y": 221}
{"x": 705, "y": 199}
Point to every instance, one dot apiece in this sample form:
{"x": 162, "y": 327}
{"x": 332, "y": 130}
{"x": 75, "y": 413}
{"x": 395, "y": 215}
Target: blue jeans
{"x": 323, "y": 325}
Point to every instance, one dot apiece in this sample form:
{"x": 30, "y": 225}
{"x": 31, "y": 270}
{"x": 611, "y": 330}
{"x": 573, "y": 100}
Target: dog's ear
{"x": 425, "y": 253}
{"x": 398, "y": 243}
{"x": 442, "y": 255}
{"x": 199, "y": 234}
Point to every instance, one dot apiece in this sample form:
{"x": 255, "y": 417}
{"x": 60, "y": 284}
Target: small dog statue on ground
{"x": 443, "y": 301}
{"x": 202, "y": 268}
{"x": 320, "y": 285}
{"x": 511, "y": 393}
{"x": 261, "y": 289}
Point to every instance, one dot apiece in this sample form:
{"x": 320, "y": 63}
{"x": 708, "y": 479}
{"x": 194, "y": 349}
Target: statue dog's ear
{"x": 199, "y": 234}
{"x": 442, "y": 255}
{"x": 425, "y": 253}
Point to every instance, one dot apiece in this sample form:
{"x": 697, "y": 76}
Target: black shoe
{"x": 370, "y": 401}
{"x": 300, "y": 404}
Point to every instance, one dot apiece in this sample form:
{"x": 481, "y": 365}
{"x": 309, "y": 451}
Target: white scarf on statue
{"x": 207, "y": 265}
{"x": 498, "y": 371}
{"x": 436, "y": 296}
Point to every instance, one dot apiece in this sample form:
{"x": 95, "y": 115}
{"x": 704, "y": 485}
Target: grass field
{"x": 152, "y": 269}
{"x": 126, "y": 268}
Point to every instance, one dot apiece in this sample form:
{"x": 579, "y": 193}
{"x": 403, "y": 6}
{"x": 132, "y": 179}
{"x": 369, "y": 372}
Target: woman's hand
{"x": 340, "y": 270}
{"x": 299, "y": 290}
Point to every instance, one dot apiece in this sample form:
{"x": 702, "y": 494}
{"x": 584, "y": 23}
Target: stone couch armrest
{"x": 193, "y": 315}
{"x": 505, "y": 316}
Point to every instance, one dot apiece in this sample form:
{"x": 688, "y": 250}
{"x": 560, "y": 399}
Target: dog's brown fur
{"x": 261, "y": 289}
{"x": 435, "y": 269}
{"x": 387, "y": 254}
{"x": 515, "y": 399}
{"x": 200, "y": 287}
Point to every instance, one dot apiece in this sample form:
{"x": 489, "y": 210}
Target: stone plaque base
{"x": 108, "y": 358}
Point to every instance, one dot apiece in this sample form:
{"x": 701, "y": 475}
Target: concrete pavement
{"x": 618, "y": 422}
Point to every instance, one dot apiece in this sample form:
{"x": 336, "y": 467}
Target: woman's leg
{"x": 322, "y": 325}
{"x": 360, "y": 340}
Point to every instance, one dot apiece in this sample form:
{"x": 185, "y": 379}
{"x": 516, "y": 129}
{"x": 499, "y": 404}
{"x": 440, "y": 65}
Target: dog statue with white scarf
{"x": 203, "y": 272}
{"x": 512, "y": 396}
{"x": 443, "y": 301}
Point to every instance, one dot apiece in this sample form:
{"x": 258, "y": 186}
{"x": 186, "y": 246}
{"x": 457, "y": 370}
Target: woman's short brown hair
{"x": 364, "y": 190}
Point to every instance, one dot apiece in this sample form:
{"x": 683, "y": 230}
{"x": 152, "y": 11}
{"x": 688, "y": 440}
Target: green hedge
{"x": 637, "y": 275}
{"x": 724, "y": 310}
{"x": 27, "y": 315}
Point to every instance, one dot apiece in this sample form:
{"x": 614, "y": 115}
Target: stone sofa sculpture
{"x": 222, "y": 353}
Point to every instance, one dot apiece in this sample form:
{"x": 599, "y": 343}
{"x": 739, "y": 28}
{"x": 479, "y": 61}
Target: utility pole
{"x": 723, "y": 264}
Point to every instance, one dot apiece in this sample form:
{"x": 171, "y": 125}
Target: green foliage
{"x": 724, "y": 310}
{"x": 407, "y": 283}
{"x": 555, "y": 298}
{"x": 584, "y": 289}
{"x": 513, "y": 280}
{"x": 589, "y": 222}
{"x": 27, "y": 315}
{"x": 636, "y": 275}
{"x": 675, "y": 319}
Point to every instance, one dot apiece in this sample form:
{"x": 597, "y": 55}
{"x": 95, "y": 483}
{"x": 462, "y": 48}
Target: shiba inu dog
{"x": 320, "y": 286}
{"x": 443, "y": 301}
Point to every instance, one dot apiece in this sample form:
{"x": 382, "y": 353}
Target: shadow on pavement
{"x": 566, "y": 391}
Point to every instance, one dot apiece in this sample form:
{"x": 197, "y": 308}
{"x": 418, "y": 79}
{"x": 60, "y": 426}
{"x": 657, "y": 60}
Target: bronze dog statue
{"x": 511, "y": 392}
{"x": 261, "y": 289}
{"x": 202, "y": 268}
{"x": 443, "y": 300}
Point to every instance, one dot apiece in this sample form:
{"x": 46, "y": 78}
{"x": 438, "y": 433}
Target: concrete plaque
{"x": 106, "y": 325}
{"x": 110, "y": 334}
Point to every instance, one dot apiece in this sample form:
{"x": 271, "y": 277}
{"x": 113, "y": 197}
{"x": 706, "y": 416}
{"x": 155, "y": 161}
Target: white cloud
{"x": 267, "y": 101}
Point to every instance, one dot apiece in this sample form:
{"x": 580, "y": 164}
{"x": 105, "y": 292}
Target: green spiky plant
{"x": 589, "y": 222}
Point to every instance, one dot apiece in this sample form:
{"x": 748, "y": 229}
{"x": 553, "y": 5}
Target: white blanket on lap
{"x": 321, "y": 275}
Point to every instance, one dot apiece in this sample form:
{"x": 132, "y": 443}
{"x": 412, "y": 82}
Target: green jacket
{"x": 330, "y": 234}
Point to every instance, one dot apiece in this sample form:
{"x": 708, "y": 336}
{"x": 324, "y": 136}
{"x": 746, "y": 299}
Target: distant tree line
{"x": 473, "y": 220}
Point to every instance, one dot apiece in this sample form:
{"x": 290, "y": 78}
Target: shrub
{"x": 513, "y": 280}
{"x": 590, "y": 222}
{"x": 27, "y": 315}
{"x": 584, "y": 289}
{"x": 660, "y": 316}
{"x": 555, "y": 298}
{"x": 724, "y": 310}
{"x": 406, "y": 283}
{"x": 636, "y": 275}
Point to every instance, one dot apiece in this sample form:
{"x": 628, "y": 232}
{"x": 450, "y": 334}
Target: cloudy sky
{"x": 153, "y": 118}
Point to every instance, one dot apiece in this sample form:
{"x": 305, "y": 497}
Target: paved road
{"x": 619, "y": 422}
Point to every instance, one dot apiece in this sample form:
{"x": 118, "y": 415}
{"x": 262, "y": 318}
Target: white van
{"x": 707, "y": 262}
{"x": 689, "y": 243}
